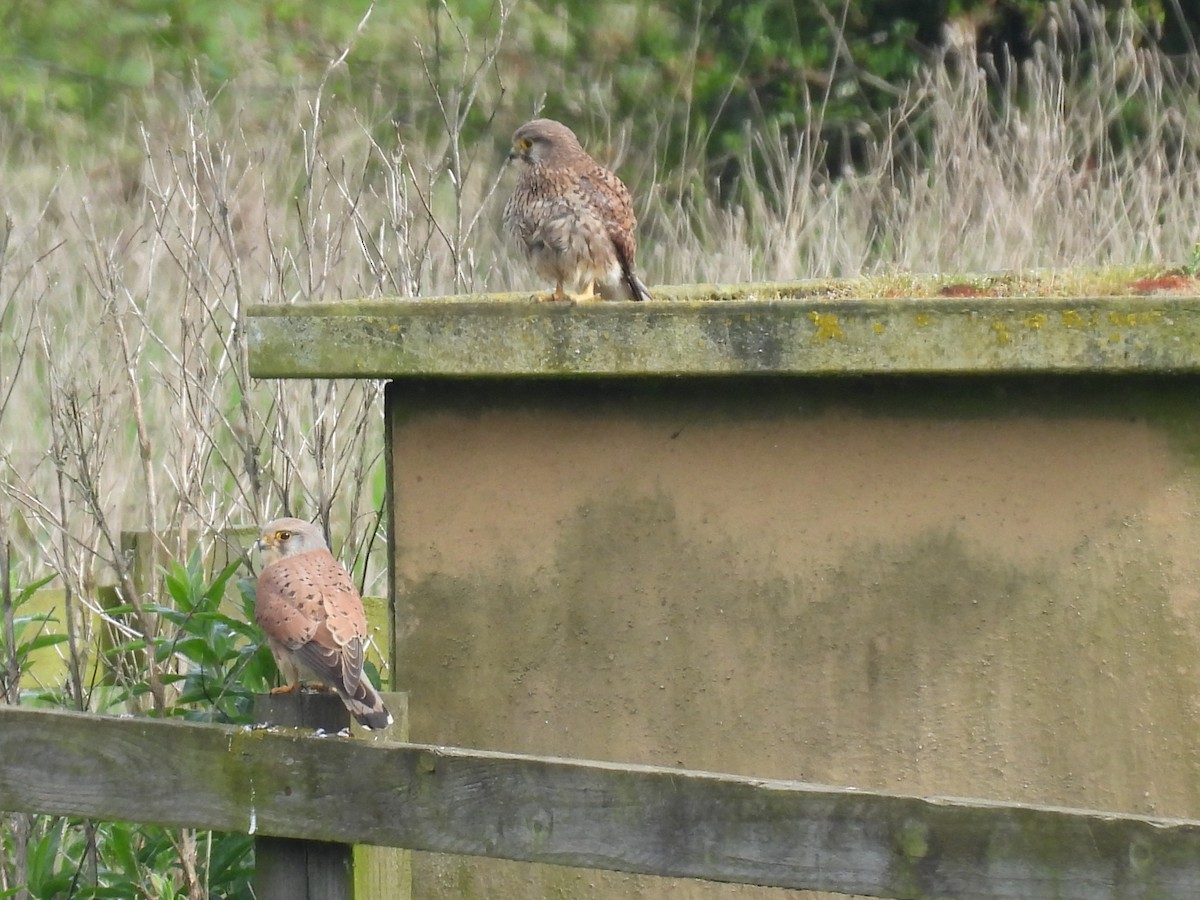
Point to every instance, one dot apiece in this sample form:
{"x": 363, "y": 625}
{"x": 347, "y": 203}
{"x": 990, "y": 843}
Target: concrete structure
{"x": 940, "y": 547}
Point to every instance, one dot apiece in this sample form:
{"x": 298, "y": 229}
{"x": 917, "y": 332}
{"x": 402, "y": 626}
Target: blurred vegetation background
{"x": 691, "y": 73}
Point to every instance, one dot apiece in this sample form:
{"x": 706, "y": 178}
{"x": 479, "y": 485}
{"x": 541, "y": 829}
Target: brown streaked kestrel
{"x": 313, "y": 617}
{"x": 572, "y": 217}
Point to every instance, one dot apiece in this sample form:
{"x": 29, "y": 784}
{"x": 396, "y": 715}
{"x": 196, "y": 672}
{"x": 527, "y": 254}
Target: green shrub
{"x": 217, "y": 662}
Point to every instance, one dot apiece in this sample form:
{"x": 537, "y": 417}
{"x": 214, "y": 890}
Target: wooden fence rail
{"x": 641, "y": 819}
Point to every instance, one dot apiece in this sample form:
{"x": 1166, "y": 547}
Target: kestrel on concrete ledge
{"x": 313, "y": 617}
{"x": 572, "y": 217}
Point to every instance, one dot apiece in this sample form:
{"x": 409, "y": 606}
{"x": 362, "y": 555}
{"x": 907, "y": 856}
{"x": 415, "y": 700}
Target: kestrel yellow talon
{"x": 587, "y": 296}
{"x": 313, "y": 617}
{"x": 572, "y": 217}
{"x": 557, "y": 297}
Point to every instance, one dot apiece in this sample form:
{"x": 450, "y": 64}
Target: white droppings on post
{"x": 253, "y": 812}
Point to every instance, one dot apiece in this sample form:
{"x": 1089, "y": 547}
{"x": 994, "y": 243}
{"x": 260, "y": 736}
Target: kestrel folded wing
{"x": 308, "y": 604}
{"x": 337, "y": 664}
{"x": 608, "y": 196}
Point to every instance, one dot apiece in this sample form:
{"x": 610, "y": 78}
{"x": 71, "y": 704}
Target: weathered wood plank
{"x": 600, "y": 815}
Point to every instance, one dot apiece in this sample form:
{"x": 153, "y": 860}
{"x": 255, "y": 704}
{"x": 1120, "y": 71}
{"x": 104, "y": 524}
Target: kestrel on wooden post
{"x": 572, "y": 217}
{"x": 313, "y": 617}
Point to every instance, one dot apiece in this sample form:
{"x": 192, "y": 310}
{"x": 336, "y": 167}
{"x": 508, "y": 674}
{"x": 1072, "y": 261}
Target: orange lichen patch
{"x": 961, "y": 290}
{"x": 1164, "y": 284}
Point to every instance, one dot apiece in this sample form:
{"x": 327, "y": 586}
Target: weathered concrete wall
{"x": 985, "y": 586}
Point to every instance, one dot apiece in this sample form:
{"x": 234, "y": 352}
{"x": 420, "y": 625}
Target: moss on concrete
{"x": 768, "y": 329}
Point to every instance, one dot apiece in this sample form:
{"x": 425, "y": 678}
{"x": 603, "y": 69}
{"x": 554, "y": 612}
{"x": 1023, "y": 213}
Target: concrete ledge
{"x": 509, "y": 336}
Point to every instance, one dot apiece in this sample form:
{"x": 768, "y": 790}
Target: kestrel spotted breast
{"x": 572, "y": 218}
{"x": 313, "y": 617}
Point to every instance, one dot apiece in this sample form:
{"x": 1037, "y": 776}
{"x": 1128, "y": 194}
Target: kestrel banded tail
{"x": 572, "y": 217}
{"x": 313, "y": 617}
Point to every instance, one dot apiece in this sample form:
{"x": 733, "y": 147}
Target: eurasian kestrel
{"x": 572, "y": 217}
{"x": 313, "y": 617}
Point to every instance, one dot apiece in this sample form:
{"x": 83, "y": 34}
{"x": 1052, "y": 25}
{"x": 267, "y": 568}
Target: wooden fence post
{"x": 289, "y": 869}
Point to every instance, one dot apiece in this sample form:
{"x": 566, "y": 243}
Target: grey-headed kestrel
{"x": 572, "y": 217}
{"x": 313, "y": 617}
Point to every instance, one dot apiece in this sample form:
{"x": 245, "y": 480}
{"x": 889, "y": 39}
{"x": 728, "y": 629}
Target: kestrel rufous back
{"x": 313, "y": 617}
{"x": 572, "y": 217}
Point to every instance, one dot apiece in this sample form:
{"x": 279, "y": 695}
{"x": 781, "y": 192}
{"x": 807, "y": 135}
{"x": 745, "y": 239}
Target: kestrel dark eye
{"x": 282, "y": 535}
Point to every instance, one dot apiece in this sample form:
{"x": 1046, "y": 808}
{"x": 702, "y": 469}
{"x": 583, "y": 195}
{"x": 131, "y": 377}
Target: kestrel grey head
{"x": 572, "y": 218}
{"x": 289, "y": 537}
{"x": 312, "y": 615}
